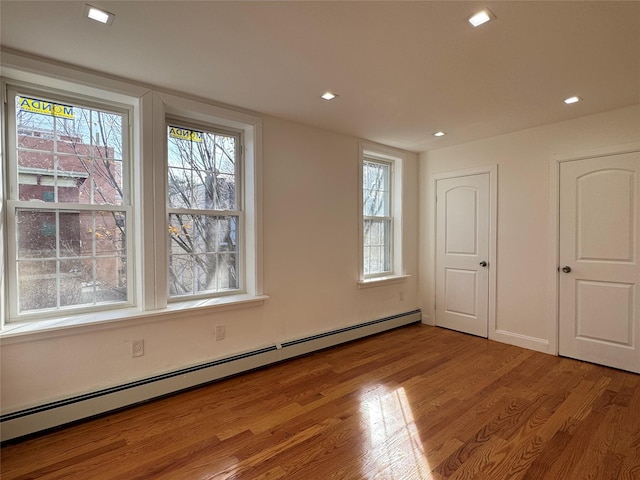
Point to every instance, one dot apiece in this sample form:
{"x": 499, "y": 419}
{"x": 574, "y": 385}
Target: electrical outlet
{"x": 137, "y": 348}
{"x": 219, "y": 332}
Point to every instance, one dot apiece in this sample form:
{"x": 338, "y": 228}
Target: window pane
{"x": 180, "y": 275}
{"x": 225, "y": 277}
{"x": 110, "y": 281}
{"x": 37, "y": 233}
{"x": 71, "y": 277}
{"x": 215, "y": 272}
{"x": 37, "y": 285}
{"x": 377, "y": 246}
{"x": 202, "y": 170}
{"x": 32, "y": 166}
{"x": 69, "y": 228}
{"x": 107, "y": 135}
{"x": 375, "y": 186}
{"x": 70, "y": 182}
{"x": 203, "y": 253}
{"x": 108, "y": 233}
{"x": 35, "y": 132}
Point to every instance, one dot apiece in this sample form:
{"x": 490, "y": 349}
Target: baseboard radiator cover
{"x": 55, "y": 414}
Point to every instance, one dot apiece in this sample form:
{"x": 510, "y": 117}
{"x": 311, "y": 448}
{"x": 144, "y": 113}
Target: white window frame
{"x": 237, "y": 212}
{"x": 168, "y": 106}
{"x": 148, "y": 112}
{"x": 386, "y": 219}
{"x": 13, "y": 203}
{"x": 395, "y": 159}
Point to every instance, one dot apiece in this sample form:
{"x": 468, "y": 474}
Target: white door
{"x": 462, "y": 253}
{"x": 599, "y": 270}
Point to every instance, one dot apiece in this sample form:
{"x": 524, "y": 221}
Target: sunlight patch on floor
{"x": 395, "y": 451}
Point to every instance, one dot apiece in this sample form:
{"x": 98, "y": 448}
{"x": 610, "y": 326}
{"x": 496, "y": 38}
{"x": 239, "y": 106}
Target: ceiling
{"x": 403, "y": 70}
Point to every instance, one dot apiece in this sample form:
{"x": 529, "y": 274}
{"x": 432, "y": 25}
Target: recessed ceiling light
{"x": 481, "y": 17}
{"x": 571, "y": 100}
{"x": 98, "y": 15}
{"x": 439, "y": 134}
{"x": 329, "y": 95}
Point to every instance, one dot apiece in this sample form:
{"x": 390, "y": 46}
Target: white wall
{"x": 526, "y": 254}
{"x": 310, "y": 269}
{"x": 311, "y": 247}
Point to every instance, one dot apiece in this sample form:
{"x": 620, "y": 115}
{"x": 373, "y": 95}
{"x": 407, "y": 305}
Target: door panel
{"x": 599, "y": 231}
{"x": 460, "y": 292}
{"x": 461, "y": 223}
{"x": 462, "y": 243}
{"x": 605, "y": 205}
{"x": 618, "y": 311}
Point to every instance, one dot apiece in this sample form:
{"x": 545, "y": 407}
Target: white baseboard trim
{"x": 43, "y": 417}
{"x": 524, "y": 341}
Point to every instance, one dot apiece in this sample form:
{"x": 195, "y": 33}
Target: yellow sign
{"x": 46, "y": 108}
{"x": 185, "y": 134}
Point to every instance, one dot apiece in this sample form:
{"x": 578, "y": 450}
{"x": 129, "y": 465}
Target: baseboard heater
{"x": 47, "y": 416}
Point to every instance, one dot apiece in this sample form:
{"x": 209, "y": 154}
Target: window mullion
{"x": 57, "y": 259}
{"x": 212, "y": 213}
{"x": 31, "y": 205}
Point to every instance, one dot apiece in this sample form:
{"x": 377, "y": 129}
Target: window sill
{"x": 380, "y": 281}
{"x": 74, "y": 324}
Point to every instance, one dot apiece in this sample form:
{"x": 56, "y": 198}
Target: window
{"x": 86, "y": 238}
{"x": 203, "y": 187}
{"x": 68, "y": 205}
{"x": 378, "y": 223}
{"x": 381, "y": 215}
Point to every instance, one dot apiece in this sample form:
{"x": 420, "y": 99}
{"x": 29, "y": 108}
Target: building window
{"x": 378, "y": 222}
{"x": 205, "y": 216}
{"x": 68, "y": 208}
{"x": 381, "y": 214}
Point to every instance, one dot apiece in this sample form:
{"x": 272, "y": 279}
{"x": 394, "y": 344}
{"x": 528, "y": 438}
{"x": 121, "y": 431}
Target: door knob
{"x": 483, "y": 263}
{"x": 566, "y": 269}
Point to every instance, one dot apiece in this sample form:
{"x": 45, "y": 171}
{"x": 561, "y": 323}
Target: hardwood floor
{"x": 415, "y": 403}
